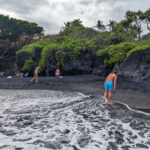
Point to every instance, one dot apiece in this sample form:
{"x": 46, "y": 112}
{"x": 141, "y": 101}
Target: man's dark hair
{"x": 115, "y": 72}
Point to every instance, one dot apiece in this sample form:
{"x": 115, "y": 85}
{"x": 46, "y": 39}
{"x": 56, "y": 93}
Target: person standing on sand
{"x": 57, "y": 73}
{"x": 36, "y": 77}
{"x": 110, "y": 84}
{"x": 18, "y": 74}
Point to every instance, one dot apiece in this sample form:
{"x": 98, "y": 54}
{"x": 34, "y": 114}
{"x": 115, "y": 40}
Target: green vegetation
{"x": 138, "y": 48}
{"x": 117, "y": 53}
{"x": 56, "y": 51}
{"x": 14, "y": 28}
{"x": 29, "y": 63}
{"x": 75, "y": 40}
{"x": 145, "y": 39}
{"x": 48, "y": 52}
{"x": 31, "y": 47}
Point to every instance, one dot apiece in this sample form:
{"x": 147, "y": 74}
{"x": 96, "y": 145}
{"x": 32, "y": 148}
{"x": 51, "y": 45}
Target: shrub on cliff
{"x": 117, "y": 53}
{"x": 31, "y": 47}
{"x": 138, "y": 48}
{"x": 79, "y": 32}
{"x": 58, "y": 50}
{"x": 29, "y": 64}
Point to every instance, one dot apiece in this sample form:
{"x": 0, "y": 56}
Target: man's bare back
{"x": 111, "y": 77}
{"x": 110, "y": 84}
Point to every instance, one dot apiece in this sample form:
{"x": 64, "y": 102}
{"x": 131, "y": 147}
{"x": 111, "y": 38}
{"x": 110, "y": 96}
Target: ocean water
{"x": 44, "y": 119}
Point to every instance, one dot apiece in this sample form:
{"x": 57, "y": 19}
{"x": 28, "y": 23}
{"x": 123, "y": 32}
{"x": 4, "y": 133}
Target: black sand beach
{"x": 132, "y": 94}
{"x": 69, "y": 114}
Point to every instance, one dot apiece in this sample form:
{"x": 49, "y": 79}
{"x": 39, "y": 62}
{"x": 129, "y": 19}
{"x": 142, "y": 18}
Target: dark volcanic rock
{"x": 136, "y": 68}
{"x": 112, "y": 146}
{"x": 21, "y": 58}
{"x": 67, "y": 131}
{"x": 119, "y": 137}
{"x": 86, "y": 63}
{"x": 139, "y": 145}
{"x": 19, "y": 148}
{"x": 8, "y": 50}
{"x": 48, "y": 144}
{"x": 137, "y": 124}
{"x": 37, "y": 54}
{"x": 8, "y": 133}
{"x": 83, "y": 141}
{"x": 51, "y": 145}
{"x": 22, "y": 140}
{"x": 125, "y": 147}
{"x": 75, "y": 148}
{"x": 64, "y": 139}
{"x": 38, "y": 142}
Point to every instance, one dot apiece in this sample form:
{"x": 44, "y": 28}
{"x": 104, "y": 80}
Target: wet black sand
{"x": 128, "y": 93}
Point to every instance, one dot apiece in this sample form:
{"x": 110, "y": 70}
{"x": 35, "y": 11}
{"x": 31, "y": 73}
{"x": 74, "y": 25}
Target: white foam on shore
{"x": 52, "y": 113}
{"x": 18, "y": 101}
{"x": 133, "y": 110}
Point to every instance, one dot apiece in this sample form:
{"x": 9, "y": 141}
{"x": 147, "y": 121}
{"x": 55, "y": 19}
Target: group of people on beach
{"x": 109, "y": 84}
{"x": 36, "y": 76}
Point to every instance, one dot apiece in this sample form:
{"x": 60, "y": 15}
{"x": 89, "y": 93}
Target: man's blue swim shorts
{"x": 109, "y": 85}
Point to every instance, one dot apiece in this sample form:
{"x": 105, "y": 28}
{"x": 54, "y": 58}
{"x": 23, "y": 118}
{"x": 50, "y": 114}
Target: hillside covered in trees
{"x": 83, "y": 50}
{"x": 14, "y": 34}
{"x": 13, "y": 29}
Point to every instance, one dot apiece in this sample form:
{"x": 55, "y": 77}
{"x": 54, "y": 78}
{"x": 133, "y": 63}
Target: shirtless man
{"x": 57, "y": 73}
{"x": 110, "y": 84}
{"x": 36, "y": 77}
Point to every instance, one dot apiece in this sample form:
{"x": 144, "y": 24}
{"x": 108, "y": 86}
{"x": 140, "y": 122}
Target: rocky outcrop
{"x": 136, "y": 68}
{"x": 21, "y": 57}
{"x": 84, "y": 64}
{"x": 8, "y": 50}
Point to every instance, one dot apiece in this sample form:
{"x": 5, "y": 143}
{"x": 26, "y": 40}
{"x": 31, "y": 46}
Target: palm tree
{"x": 112, "y": 24}
{"x": 67, "y": 24}
{"x": 76, "y": 22}
{"x": 100, "y": 25}
{"x": 135, "y": 18}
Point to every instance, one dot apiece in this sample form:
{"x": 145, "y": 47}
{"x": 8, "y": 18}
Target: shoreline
{"x": 125, "y": 93}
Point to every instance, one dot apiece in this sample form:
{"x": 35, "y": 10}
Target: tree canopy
{"x": 11, "y": 28}
{"x": 117, "y": 39}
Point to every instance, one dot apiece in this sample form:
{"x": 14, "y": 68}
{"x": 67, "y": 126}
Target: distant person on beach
{"x": 18, "y": 74}
{"x": 36, "y": 77}
{"x": 57, "y": 73}
{"x": 110, "y": 84}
